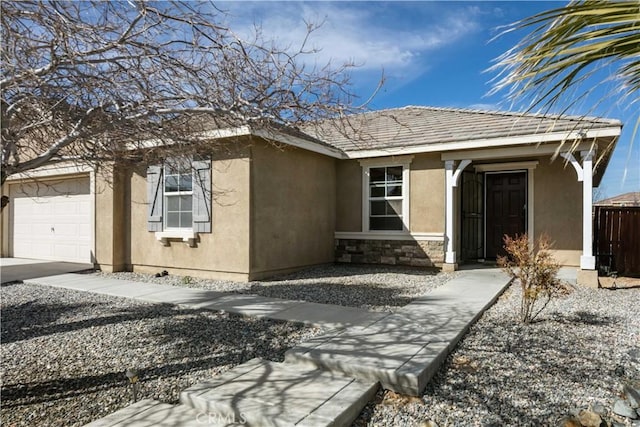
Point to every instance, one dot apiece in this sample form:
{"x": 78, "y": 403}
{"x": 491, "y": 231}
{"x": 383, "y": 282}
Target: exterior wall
{"x": 111, "y": 231}
{"x": 427, "y": 186}
{"x": 293, "y": 209}
{"x": 223, "y": 253}
{"x": 348, "y": 196}
{"x": 558, "y": 209}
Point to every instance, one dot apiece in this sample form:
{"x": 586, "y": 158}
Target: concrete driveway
{"x": 12, "y": 269}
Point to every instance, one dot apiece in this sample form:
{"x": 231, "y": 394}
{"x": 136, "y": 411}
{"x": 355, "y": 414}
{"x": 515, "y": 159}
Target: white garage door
{"x": 52, "y": 220}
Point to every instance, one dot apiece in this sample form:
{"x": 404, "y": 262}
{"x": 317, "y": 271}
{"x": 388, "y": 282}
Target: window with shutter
{"x": 179, "y": 197}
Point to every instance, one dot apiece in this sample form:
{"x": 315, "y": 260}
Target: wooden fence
{"x": 616, "y": 240}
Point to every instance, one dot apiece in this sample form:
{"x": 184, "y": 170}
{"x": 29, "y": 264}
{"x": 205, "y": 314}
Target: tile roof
{"x": 626, "y": 199}
{"x": 417, "y": 126}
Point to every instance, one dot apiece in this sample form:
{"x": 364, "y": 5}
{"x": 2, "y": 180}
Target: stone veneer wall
{"x": 392, "y": 252}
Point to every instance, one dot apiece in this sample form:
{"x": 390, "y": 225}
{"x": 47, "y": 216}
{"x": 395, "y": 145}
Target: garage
{"x": 51, "y": 220}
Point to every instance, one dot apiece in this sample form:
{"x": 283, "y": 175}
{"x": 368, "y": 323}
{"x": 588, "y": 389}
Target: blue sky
{"x": 432, "y": 53}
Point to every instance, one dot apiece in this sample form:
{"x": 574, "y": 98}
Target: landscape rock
{"x": 589, "y": 418}
{"x": 622, "y": 407}
{"x": 556, "y": 353}
{"x": 569, "y": 421}
{"x": 599, "y": 409}
{"x": 632, "y": 393}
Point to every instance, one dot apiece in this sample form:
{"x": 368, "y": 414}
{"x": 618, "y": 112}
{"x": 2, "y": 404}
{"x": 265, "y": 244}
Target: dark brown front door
{"x": 506, "y": 209}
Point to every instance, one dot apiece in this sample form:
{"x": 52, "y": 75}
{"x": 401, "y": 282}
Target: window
{"x": 385, "y": 198}
{"x": 178, "y": 194}
{"x": 386, "y": 194}
{"x": 179, "y": 197}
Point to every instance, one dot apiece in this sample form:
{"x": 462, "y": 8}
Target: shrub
{"x": 536, "y": 270}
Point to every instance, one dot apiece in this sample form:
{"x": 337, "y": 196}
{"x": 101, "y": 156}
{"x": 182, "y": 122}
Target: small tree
{"x": 535, "y": 269}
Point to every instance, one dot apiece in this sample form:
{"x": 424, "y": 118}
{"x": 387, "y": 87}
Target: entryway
{"x": 492, "y": 204}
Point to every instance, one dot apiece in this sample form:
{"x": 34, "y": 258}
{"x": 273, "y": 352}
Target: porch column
{"x": 587, "y": 260}
{"x": 450, "y": 255}
{"x": 451, "y": 180}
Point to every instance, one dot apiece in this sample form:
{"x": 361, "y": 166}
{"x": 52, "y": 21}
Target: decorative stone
{"x": 420, "y": 262}
{"x": 569, "y": 421}
{"x": 621, "y": 407}
{"x": 589, "y": 418}
{"x": 429, "y": 423}
{"x": 633, "y": 395}
{"x": 382, "y": 251}
{"x": 599, "y": 408}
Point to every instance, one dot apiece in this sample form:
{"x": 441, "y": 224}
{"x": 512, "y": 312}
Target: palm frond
{"x": 567, "y": 44}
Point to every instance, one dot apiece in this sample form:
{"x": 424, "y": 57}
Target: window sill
{"x": 187, "y": 236}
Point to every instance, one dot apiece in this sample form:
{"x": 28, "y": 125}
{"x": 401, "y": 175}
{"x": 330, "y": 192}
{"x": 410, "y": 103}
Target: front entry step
{"x": 264, "y": 393}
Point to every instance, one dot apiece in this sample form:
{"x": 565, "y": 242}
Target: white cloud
{"x": 354, "y": 32}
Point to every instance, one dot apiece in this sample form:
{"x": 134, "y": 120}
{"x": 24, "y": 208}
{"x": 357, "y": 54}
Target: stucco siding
{"x": 427, "y": 202}
{"x": 348, "y": 196}
{"x": 558, "y": 208}
{"x": 223, "y": 253}
{"x": 293, "y": 208}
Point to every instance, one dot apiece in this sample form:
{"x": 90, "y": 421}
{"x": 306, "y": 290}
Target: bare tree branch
{"x": 88, "y": 80}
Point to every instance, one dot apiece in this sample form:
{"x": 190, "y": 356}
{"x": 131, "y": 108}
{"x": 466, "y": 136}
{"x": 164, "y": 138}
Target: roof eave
{"x": 612, "y": 131}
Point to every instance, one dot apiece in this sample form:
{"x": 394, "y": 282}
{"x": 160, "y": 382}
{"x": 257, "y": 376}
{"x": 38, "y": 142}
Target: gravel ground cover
{"x": 503, "y": 373}
{"x": 376, "y": 288}
{"x": 64, "y": 353}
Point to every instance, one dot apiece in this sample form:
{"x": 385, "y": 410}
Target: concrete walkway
{"x": 13, "y": 269}
{"x": 308, "y": 313}
{"x": 324, "y": 381}
{"x": 404, "y": 350}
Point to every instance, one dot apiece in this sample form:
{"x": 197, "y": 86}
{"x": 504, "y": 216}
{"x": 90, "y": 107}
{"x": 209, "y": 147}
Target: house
{"x": 413, "y": 186}
{"x": 621, "y": 200}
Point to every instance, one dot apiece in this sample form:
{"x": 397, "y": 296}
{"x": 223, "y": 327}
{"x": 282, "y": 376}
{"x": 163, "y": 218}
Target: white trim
{"x": 209, "y": 134}
{"x": 449, "y": 241}
{"x": 300, "y": 143}
{"x": 92, "y": 200}
{"x": 587, "y": 260}
{"x": 389, "y": 161}
{"x": 434, "y": 237}
{"x": 367, "y": 164}
{"x": 187, "y": 236}
{"x": 53, "y": 171}
{"x": 571, "y": 159}
{"x": 534, "y": 150}
{"x": 456, "y": 175}
{"x": 248, "y": 131}
{"x": 166, "y": 194}
{"x": 488, "y": 142}
{"x": 502, "y": 167}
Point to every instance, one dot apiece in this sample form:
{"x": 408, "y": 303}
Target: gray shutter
{"x": 202, "y": 196}
{"x": 154, "y": 198}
